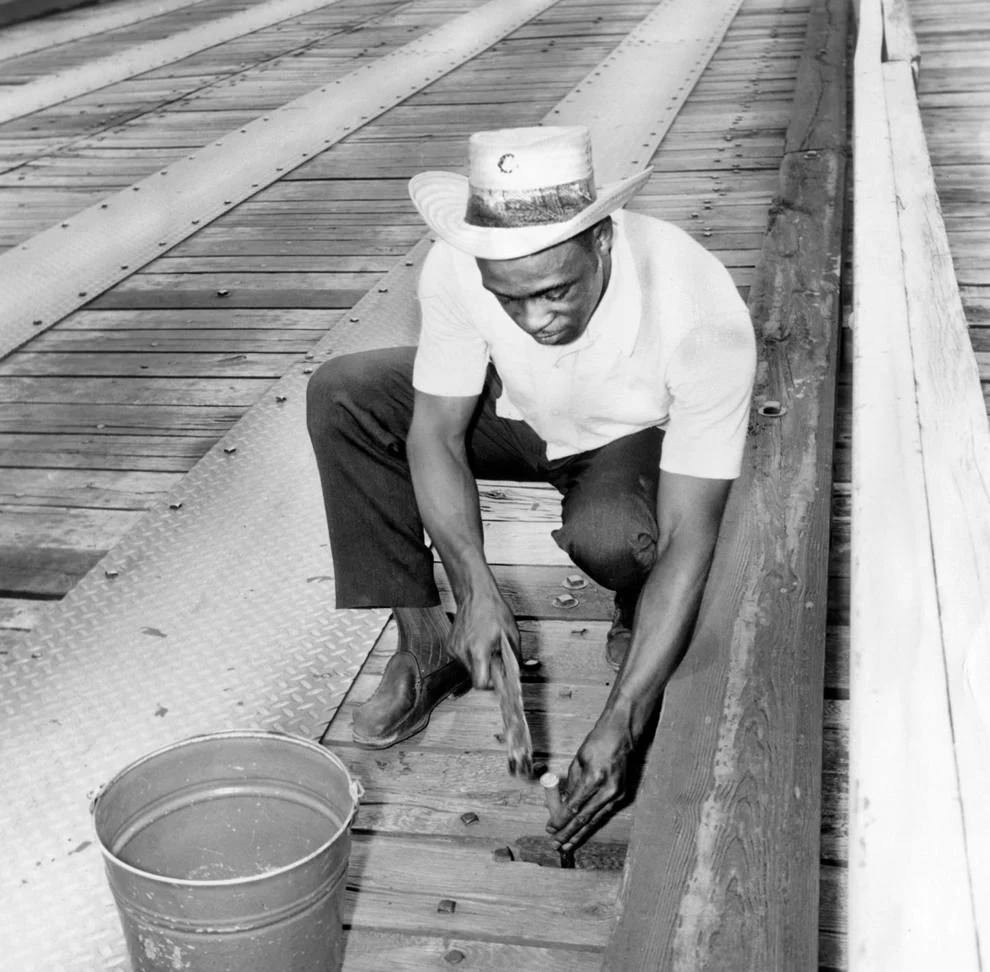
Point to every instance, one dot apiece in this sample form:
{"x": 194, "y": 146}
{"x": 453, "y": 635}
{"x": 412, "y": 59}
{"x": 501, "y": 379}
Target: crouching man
{"x": 563, "y": 341}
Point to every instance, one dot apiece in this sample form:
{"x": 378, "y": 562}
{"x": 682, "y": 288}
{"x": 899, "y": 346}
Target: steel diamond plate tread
{"x": 215, "y": 612}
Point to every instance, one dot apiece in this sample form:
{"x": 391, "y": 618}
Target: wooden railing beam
{"x": 723, "y": 871}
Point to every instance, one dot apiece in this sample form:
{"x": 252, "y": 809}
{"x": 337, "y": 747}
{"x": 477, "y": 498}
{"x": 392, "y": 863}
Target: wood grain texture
{"x": 899, "y": 40}
{"x": 394, "y": 883}
{"x": 906, "y": 831}
{"x": 724, "y": 852}
{"x": 955, "y": 449}
{"x": 373, "y": 951}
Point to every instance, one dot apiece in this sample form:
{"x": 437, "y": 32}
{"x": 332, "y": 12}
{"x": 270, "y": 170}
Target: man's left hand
{"x": 596, "y": 784}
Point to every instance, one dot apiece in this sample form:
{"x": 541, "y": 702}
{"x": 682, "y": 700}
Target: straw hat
{"x": 528, "y": 188}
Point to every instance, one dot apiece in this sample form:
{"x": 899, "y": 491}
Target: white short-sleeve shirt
{"x": 670, "y": 345}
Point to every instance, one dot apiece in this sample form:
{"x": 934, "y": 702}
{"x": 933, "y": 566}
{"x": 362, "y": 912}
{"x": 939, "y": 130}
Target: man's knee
{"x": 335, "y": 383}
{"x": 614, "y": 542}
{"x": 351, "y": 385}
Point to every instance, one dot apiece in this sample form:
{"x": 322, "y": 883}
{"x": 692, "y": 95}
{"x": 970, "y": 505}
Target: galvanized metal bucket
{"x": 228, "y": 853}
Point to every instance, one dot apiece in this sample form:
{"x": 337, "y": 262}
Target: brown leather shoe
{"x": 619, "y": 636}
{"x": 404, "y": 699}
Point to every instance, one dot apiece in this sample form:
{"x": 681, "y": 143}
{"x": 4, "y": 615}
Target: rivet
{"x": 469, "y": 818}
{"x": 223, "y": 293}
{"x": 564, "y": 601}
{"x": 574, "y": 582}
{"x": 110, "y": 573}
{"x": 281, "y": 398}
{"x": 446, "y": 906}
{"x": 229, "y": 450}
{"x": 175, "y": 506}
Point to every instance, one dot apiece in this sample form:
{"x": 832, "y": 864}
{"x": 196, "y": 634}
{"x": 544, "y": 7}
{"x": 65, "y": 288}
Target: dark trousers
{"x": 359, "y": 410}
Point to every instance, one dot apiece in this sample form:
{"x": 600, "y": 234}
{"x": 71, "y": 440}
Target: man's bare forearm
{"x": 665, "y": 617}
{"x": 447, "y": 496}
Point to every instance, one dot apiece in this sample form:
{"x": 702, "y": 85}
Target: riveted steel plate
{"x": 61, "y": 268}
{"x": 52, "y": 89}
{"x": 630, "y": 100}
{"x": 39, "y": 35}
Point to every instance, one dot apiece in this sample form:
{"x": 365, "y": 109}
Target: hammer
{"x": 508, "y": 688}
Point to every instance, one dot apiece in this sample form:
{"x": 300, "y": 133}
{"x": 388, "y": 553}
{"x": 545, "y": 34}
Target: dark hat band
{"x": 509, "y": 209}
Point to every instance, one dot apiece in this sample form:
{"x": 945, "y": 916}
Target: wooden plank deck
{"x": 105, "y": 412}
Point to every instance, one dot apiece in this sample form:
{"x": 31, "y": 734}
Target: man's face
{"x": 552, "y": 294}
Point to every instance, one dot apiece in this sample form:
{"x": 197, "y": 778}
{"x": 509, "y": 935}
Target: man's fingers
{"x": 585, "y": 824}
{"x": 584, "y": 807}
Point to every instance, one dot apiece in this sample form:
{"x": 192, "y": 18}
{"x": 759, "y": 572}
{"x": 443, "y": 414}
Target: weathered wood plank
{"x": 899, "y": 41}
{"x": 165, "y": 391}
{"x": 85, "y": 488}
{"x": 955, "y": 443}
{"x": 724, "y": 852}
{"x": 899, "y": 718}
{"x": 395, "y": 884}
{"x": 372, "y": 951}
{"x": 151, "y": 363}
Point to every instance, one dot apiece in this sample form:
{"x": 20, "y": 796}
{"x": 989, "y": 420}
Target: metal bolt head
{"x": 469, "y": 818}
{"x": 446, "y": 906}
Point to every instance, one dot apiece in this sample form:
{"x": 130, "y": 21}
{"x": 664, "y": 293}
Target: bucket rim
{"x": 355, "y": 789}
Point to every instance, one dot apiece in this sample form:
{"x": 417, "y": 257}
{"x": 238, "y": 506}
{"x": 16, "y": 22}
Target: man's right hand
{"x": 482, "y": 621}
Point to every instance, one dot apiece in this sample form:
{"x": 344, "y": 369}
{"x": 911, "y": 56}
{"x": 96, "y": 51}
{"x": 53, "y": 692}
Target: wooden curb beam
{"x": 919, "y": 850}
{"x": 723, "y": 865}
{"x": 899, "y": 41}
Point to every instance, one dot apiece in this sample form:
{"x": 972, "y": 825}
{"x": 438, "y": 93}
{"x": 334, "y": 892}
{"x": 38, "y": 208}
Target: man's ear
{"x": 603, "y": 235}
